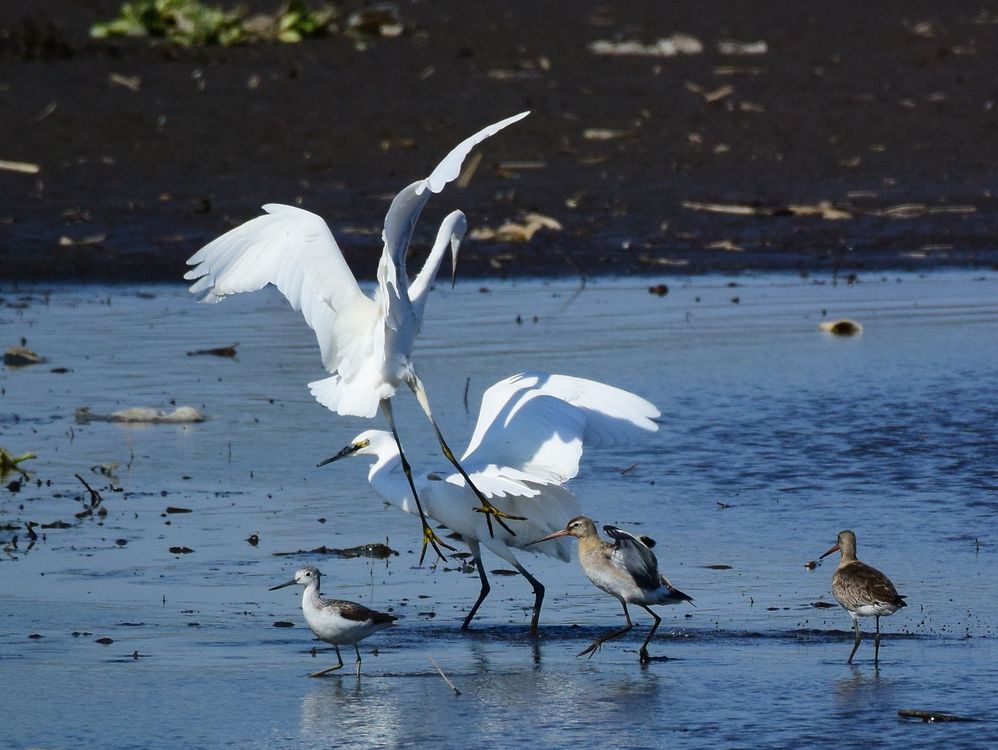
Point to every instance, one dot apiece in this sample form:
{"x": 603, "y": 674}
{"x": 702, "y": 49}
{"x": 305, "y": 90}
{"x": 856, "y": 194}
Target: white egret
{"x": 862, "y": 590}
{"x": 365, "y": 343}
{"x": 626, "y": 569}
{"x": 527, "y": 444}
{"x": 335, "y": 621}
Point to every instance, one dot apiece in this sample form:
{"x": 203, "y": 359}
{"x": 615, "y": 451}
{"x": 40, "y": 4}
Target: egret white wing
{"x": 294, "y": 250}
{"x": 533, "y": 426}
{"x": 404, "y": 212}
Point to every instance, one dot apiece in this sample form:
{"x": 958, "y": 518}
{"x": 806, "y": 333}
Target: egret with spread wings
{"x": 365, "y": 343}
{"x": 527, "y": 444}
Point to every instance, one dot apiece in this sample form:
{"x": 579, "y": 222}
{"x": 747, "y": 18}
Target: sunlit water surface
{"x": 774, "y": 437}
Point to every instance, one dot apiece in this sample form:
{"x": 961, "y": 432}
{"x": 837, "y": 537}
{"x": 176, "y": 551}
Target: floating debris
{"x": 174, "y": 509}
{"x": 677, "y": 44}
{"x": 823, "y": 605}
{"x": 823, "y": 209}
{"x": 842, "y": 327}
{"x": 104, "y": 641}
{"x": 659, "y": 290}
{"x": 283, "y": 624}
{"x": 9, "y": 463}
{"x": 253, "y": 539}
{"x": 731, "y": 47}
{"x": 24, "y": 167}
{"x": 220, "y": 351}
{"x": 605, "y": 134}
{"x": 180, "y": 550}
{"x": 378, "y": 20}
{"x": 932, "y": 716}
{"x": 711, "y": 96}
{"x": 513, "y": 232}
{"x": 143, "y": 415}
{"x": 718, "y": 566}
{"x": 377, "y": 551}
{"x": 19, "y": 356}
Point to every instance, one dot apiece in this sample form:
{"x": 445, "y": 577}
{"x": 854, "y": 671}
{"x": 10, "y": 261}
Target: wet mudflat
{"x": 774, "y": 437}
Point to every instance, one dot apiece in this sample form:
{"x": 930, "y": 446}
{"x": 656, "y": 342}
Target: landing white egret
{"x": 527, "y": 444}
{"x": 365, "y": 343}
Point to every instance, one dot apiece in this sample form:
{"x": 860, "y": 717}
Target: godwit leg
{"x": 487, "y": 508}
{"x": 538, "y": 595}
{"x": 644, "y": 646}
{"x": 429, "y": 535}
{"x": 330, "y": 669}
{"x": 855, "y": 645}
{"x": 355, "y": 648}
{"x": 876, "y": 642}
{"x": 598, "y": 643}
{"x": 476, "y": 551}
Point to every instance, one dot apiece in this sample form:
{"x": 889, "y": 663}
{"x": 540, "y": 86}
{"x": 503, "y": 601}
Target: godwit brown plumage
{"x": 862, "y": 590}
{"x": 626, "y": 569}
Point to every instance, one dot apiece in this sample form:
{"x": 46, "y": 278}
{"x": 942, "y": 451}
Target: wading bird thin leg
{"x": 876, "y": 643}
{"x": 330, "y": 669}
{"x": 355, "y": 648}
{"x": 476, "y": 552}
{"x": 598, "y": 643}
{"x": 429, "y": 535}
{"x": 643, "y": 653}
{"x": 538, "y": 596}
{"x": 487, "y": 508}
{"x": 855, "y": 645}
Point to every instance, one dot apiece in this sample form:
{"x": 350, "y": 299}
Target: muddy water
{"x": 774, "y": 437}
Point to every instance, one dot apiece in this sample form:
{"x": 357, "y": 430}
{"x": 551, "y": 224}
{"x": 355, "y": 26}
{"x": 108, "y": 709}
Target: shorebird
{"x": 365, "y": 343}
{"x": 335, "y": 621}
{"x": 862, "y": 590}
{"x": 527, "y": 444}
{"x": 626, "y": 569}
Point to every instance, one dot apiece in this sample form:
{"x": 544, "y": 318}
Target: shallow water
{"x": 774, "y": 437}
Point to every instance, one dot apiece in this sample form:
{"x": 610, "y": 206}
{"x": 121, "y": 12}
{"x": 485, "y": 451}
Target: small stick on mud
{"x": 456, "y": 691}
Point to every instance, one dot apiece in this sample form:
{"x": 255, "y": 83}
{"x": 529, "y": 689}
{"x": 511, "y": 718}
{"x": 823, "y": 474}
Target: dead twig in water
{"x": 932, "y": 716}
{"x": 456, "y": 691}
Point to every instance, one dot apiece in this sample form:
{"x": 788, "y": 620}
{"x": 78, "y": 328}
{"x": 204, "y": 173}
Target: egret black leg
{"x": 855, "y": 645}
{"x": 487, "y": 508}
{"x": 644, "y": 646}
{"x": 476, "y": 551}
{"x": 429, "y": 535}
{"x": 538, "y": 595}
{"x": 598, "y": 643}
{"x": 339, "y": 658}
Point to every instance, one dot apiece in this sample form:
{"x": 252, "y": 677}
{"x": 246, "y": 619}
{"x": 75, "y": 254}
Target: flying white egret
{"x": 365, "y": 343}
{"x": 335, "y": 621}
{"x": 626, "y": 569}
{"x": 527, "y": 444}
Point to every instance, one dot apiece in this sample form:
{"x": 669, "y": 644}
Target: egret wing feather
{"x": 535, "y": 425}
{"x": 294, "y": 250}
{"x": 401, "y": 218}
